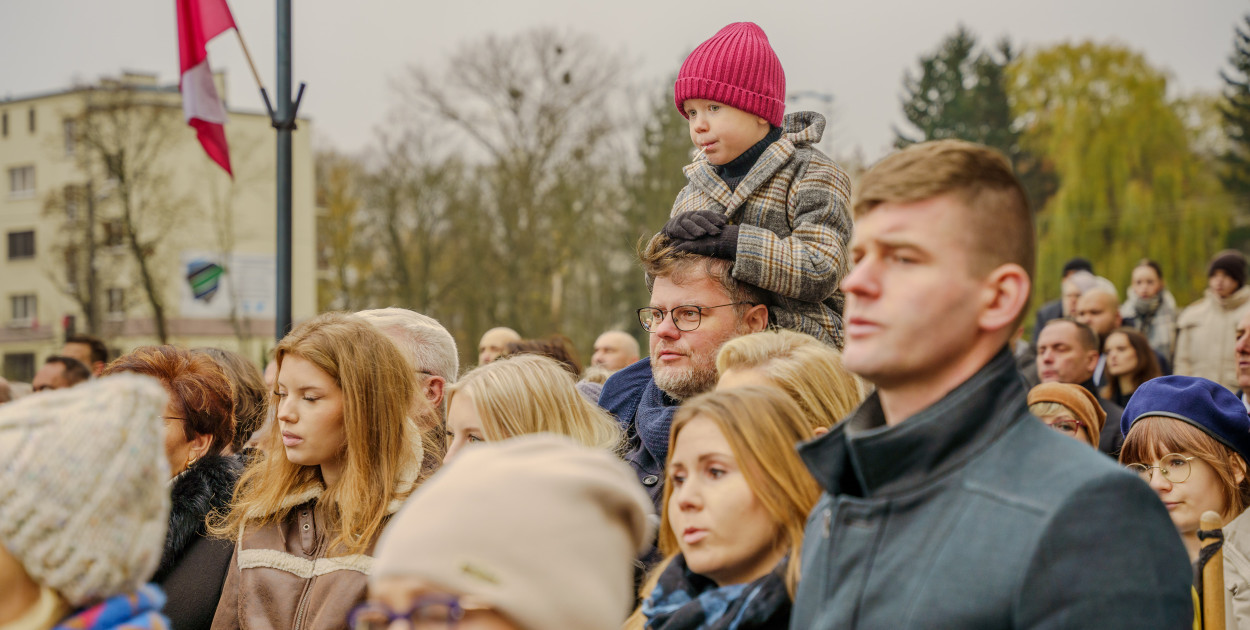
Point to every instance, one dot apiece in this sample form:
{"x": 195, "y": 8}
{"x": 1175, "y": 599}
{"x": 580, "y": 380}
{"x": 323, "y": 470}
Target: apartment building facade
{"x": 107, "y": 199}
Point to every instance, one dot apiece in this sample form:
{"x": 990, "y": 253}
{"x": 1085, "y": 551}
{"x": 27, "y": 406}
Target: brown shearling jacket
{"x": 283, "y": 577}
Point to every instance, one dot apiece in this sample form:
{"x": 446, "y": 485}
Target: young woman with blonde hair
{"x": 519, "y": 395}
{"x": 735, "y": 503}
{"x": 810, "y": 371}
{"x": 341, "y": 457}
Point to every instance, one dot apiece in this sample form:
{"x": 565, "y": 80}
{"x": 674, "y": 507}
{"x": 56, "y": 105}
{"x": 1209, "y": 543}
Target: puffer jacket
{"x": 792, "y": 210}
{"x": 1206, "y": 334}
{"x": 283, "y": 576}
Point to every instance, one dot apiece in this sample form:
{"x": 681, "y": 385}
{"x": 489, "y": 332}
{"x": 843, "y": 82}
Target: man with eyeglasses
{"x": 945, "y": 504}
{"x": 696, "y": 306}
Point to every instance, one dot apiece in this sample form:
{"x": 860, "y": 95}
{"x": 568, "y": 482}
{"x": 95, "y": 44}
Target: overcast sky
{"x": 350, "y": 52}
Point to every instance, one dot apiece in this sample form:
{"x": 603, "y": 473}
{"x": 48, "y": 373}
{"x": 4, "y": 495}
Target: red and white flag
{"x": 198, "y": 22}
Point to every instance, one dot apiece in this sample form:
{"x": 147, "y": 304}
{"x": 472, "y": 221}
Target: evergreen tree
{"x": 1235, "y": 112}
{"x": 962, "y": 93}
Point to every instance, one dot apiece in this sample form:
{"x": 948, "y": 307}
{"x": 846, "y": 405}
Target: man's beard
{"x": 700, "y": 377}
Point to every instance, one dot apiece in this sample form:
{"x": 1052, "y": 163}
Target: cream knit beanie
{"x": 83, "y": 498}
{"x": 541, "y": 528}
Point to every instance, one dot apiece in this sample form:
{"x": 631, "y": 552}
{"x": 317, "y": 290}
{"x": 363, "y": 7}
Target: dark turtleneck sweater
{"x": 735, "y": 170}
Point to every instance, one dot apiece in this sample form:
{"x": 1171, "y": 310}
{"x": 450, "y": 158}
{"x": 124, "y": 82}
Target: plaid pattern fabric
{"x": 794, "y": 222}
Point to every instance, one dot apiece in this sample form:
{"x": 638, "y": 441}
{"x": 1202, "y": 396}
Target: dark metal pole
{"x": 284, "y": 122}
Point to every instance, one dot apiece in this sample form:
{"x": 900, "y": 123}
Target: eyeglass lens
{"x": 1174, "y": 467}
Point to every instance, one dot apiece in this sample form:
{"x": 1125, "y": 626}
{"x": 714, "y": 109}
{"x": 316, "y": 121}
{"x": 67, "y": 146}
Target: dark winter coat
{"x": 193, "y": 566}
{"x": 973, "y": 515}
{"x": 793, "y": 213}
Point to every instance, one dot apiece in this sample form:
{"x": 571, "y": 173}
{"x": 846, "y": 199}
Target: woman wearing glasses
{"x": 1189, "y": 438}
{"x": 1068, "y": 409}
{"x": 341, "y": 457}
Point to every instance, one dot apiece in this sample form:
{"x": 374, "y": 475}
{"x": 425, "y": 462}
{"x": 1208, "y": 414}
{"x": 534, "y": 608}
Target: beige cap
{"x": 84, "y": 503}
{"x": 543, "y": 529}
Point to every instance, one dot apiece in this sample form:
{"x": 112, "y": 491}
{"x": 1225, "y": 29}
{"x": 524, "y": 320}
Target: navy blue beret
{"x": 1201, "y": 402}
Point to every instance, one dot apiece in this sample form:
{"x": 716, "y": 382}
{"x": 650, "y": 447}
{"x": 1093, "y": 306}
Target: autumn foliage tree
{"x": 1130, "y": 183}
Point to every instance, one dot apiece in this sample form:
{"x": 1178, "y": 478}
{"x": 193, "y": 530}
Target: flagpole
{"x": 251, "y": 64}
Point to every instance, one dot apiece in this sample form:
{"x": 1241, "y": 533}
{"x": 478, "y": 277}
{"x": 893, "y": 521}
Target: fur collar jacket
{"x": 202, "y": 488}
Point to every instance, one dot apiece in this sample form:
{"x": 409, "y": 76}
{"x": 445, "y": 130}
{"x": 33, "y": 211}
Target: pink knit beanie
{"x": 736, "y": 67}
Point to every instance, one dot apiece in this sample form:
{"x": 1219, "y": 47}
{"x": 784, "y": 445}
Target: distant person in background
{"x": 557, "y": 347}
{"x": 84, "y": 507}
{"x": 90, "y": 350}
{"x": 807, "y": 370}
{"x": 1130, "y": 362}
{"x": 1150, "y": 308}
{"x": 59, "y": 372}
{"x": 1069, "y": 409}
{"x": 247, "y": 386}
{"x": 1205, "y": 327}
{"x": 1242, "y": 352}
{"x": 6, "y": 392}
{"x": 614, "y": 350}
{"x": 494, "y": 342}
{"x": 1055, "y": 308}
{"x": 1067, "y": 352}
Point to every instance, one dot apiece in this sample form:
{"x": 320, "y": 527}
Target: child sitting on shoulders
{"x": 759, "y": 192}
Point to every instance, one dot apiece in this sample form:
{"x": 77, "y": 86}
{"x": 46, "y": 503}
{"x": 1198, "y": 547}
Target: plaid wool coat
{"x": 794, "y": 222}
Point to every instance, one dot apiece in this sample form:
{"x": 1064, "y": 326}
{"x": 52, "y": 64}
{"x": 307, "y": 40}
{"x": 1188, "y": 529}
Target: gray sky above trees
{"x": 350, "y": 52}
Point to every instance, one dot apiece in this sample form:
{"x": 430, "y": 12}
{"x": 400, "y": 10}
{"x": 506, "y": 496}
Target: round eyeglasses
{"x": 1066, "y": 426}
{"x": 1174, "y": 467}
{"x": 426, "y": 613}
{"x": 686, "y": 317}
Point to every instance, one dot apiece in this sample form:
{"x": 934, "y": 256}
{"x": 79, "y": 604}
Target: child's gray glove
{"x": 689, "y": 226}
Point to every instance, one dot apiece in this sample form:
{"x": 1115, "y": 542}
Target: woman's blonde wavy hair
{"x": 762, "y": 425}
{"x": 810, "y": 371}
{"x": 382, "y": 440}
{"x": 530, "y": 393}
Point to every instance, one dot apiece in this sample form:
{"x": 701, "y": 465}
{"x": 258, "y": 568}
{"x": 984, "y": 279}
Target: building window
{"x": 71, "y": 136}
{"x": 21, "y": 245}
{"x": 23, "y": 308}
{"x": 113, "y": 233}
{"x": 19, "y": 366}
{"x": 116, "y": 303}
{"x": 32, "y": 120}
{"x": 22, "y": 181}
{"x": 4, "y": 124}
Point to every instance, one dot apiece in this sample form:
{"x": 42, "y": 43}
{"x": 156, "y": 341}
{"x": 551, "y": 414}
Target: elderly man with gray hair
{"x": 431, "y": 351}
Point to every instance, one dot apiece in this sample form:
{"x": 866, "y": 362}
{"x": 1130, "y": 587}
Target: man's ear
{"x": 434, "y": 386}
{"x": 756, "y": 318}
{"x": 1091, "y": 361}
{"x": 1005, "y": 295}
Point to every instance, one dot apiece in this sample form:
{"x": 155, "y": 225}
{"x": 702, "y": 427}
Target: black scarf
{"x": 683, "y": 600}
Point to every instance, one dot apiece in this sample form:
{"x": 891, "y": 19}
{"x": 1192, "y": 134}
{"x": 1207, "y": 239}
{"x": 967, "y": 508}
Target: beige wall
{"x": 191, "y": 175}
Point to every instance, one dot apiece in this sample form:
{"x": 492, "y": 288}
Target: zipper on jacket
{"x": 302, "y": 607}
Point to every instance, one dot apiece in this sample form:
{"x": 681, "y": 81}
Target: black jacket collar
{"x": 863, "y": 457}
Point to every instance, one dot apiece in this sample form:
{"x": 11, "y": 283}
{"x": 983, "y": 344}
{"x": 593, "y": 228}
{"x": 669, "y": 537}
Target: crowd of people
{"x": 836, "y": 425}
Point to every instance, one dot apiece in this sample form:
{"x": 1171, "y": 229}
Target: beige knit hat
{"x": 83, "y": 498}
{"x": 541, "y": 528}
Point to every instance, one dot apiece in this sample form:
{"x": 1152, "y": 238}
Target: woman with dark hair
{"x": 199, "y": 426}
{"x": 1130, "y": 362}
